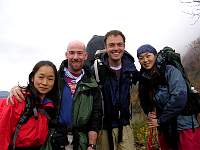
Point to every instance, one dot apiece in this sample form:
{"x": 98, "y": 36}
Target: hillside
{"x": 4, "y": 94}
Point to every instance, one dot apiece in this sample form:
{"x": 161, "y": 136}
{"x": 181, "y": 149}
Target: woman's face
{"x": 43, "y": 80}
{"x": 147, "y": 60}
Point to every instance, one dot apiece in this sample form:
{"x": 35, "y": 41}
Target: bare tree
{"x": 191, "y": 62}
{"x": 192, "y": 57}
{"x": 195, "y": 8}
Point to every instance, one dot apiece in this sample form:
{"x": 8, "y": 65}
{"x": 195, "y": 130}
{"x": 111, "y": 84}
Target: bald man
{"x": 80, "y": 99}
{"x": 80, "y": 102}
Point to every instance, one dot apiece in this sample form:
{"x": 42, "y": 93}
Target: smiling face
{"x": 43, "y": 80}
{"x": 147, "y": 60}
{"x": 115, "y": 49}
{"x": 76, "y": 56}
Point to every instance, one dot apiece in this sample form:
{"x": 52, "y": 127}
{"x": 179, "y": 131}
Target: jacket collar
{"x": 127, "y": 62}
{"x": 87, "y": 78}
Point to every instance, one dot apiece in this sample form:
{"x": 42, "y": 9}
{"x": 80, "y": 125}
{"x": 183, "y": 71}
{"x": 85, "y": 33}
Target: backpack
{"x": 168, "y": 56}
{"x": 95, "y": 43}
{"x": 96, "y": 49}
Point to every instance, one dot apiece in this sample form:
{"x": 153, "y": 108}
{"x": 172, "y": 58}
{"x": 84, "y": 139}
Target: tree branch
{"x": 195, "y": 4}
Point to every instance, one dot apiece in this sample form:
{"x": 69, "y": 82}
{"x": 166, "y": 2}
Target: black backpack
{"x": 96, "y": 43}
{"x": 96, "y": 49}
{"x": 168, "y": 56}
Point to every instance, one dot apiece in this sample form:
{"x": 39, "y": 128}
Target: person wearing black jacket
{"x": 117, "y": 75}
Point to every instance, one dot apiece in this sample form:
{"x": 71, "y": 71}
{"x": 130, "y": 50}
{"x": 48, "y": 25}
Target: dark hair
{"x": 148, "y": 83}
{"x": 115, "y": 33}
{"x": 30, "y": 88}
{"x": 155, "y": 77}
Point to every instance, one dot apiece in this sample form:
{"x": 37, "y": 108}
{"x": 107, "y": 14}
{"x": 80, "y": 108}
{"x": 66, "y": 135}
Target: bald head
{"x": 76, "y": 55}
{"x": 76, "y": 45}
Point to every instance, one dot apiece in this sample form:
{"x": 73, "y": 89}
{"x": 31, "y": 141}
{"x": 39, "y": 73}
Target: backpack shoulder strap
{"x": 23, "y": 118}
{"x": 98, "y": 62}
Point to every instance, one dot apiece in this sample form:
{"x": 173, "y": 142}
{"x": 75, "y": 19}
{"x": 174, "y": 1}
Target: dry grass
{"x": 138, "y": 121}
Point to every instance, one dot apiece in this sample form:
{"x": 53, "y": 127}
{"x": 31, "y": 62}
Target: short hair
{"x": 115, "y": 33}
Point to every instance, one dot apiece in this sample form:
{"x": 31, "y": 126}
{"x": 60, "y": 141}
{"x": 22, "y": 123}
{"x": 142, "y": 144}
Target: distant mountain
{"x": 4, "y": 94}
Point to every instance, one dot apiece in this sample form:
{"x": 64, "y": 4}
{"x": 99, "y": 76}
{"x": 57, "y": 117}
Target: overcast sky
{"x": 33, "y": 30}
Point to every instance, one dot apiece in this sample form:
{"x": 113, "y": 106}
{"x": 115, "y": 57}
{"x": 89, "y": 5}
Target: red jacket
{"x": 31, "y": 134}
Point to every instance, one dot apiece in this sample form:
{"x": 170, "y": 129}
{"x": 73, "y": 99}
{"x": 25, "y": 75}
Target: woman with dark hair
{"x": 163, "y": 97}
{"x": 24, "y": 125}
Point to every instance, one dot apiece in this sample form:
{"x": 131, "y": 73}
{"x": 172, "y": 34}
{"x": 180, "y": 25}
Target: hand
{"x": 152, "y": 115}
{"x": 152, "y": 123}
{"x": 152, "y": 120}
{"x": 17, "y": 92}
{"x": 92, "y": 137}
{"x": 90, "y": 148}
